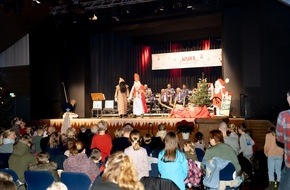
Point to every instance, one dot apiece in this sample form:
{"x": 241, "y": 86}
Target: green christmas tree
{"x": 201, "y": 96}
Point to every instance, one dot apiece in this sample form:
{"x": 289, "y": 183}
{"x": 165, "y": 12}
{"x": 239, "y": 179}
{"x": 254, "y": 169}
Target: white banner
{"x": 188, "y": 59}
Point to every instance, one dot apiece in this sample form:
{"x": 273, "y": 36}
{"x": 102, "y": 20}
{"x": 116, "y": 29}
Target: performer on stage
{"x": 138, "y": 95}
{"x": 121, "y": 97}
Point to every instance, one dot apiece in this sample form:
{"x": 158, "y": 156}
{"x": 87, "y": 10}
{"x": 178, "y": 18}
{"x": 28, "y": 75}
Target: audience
{"x": 120, "y": 173}
{"x": 122, "y": 142}
{"x": 43, "y": 164}
{"x": 97, "y": 158}
{"x": 57, "y": 186}
{"x": 102, "y": 141}
{"x": 21, "y": 157}
{"x": 44, "y": 141}
{"x": 138, "y": 154}
{"x": 230, "y": 140}
{"x": 36, "y": 140}
{"x": 198, "y": 141}
{"x": 7, "y": 140}
{"x": 172, "y": 162}
{"x": 79, "y": 162}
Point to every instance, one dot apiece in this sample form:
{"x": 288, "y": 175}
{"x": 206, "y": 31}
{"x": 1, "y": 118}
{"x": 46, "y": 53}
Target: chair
{"x": 38, "y": 180}
{"x": 109, "y": 106}
{"x": 154, "y": 170}
{"x": 199, "y": 153}
{"x": 14, "y": 176}
{"x": 76, "y": 180}
{"x": 4, "y": 157}
{"x": 157, "y": 183}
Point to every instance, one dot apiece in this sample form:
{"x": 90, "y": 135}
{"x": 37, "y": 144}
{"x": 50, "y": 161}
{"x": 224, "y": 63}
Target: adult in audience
{"x": 7, "y": 140}
{"x": 78, "y": 161}
{"x": 221, "y": 150}
{"x": 120, "y": 173}
{"x": 122, "y": 142}
{"x": 44, "y": 141}
{"x": 232, "y": 141}
{"x": 21, "y": 157}
{"x": 283, "y": 136}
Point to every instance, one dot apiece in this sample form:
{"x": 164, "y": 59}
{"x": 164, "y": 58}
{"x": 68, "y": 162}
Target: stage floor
{"x": 114, "y": 120}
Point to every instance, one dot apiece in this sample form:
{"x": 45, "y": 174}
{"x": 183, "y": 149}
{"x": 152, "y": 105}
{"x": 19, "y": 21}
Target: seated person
{"x": 149, "y": 97}
{"x": 164, "y": 100}
{"x": 43, "y": 164}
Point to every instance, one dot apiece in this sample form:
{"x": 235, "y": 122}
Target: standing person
{"x": 275, "y": 157}
{"x": 172, "y": 162}
{"x": 138, "y": 94}
{"x": 102, "y": 141}
{"x": 121, "y": 97}
{"x": 138, "y": 154}
{"x": 282, "y": 135}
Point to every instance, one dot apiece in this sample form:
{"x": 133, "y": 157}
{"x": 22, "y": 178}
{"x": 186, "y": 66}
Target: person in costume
{"x": 121, "y": 97}
{"x": 219, "y": 91}
{"x": 138, "y": 94}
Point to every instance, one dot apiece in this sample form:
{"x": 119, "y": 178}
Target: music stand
{"x": 97, "y": 100}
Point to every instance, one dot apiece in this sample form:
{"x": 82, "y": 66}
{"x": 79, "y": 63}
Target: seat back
{"x": 76, "y": 180}
{"x": 4, "y": 157}
{"x": 38, "y": 180}
{"x": 199, "y": 153}
{"x": 228, "y": 173}
{"x": 157, "y": 183}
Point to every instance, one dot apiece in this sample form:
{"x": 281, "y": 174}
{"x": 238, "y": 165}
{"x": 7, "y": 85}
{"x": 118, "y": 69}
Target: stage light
{"x": 36, "y": 2}
{"x": 94, "y": 17}
{"x": 190, "y": 5}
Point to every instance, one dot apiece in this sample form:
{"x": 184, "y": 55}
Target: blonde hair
{"x": 135, "y": 138}
{"x": 102, "y": 125}
{"x": 7, "y": 185}
{"x": 118, "y": 133}
{"x": 70, "y": 132}
{"x": 5, "y": 176}
{"x": 54, "y": 140}
{"x": 120, "y": 170}
{"x": 190, "y": 146}
{"x": 95, "y": 154}
{"x": 6, "y": 134}
{"x": 57, "y": 186}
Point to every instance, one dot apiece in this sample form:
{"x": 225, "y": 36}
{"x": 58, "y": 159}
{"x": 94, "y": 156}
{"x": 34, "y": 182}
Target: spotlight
{"x": 94, "y": 17}
{"x": 36, "y": 2}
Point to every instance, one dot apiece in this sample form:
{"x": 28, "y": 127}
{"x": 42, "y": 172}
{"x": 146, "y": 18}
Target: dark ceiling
{"x": 140, "y": 18}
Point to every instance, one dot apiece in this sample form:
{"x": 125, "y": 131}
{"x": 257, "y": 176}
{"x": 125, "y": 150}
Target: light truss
{"x": 97, "y": 4}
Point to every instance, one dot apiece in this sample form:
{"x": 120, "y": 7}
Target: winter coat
{"x": 21, "y": 159}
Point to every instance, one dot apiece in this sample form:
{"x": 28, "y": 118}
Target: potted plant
{"x": 185, "y": 127}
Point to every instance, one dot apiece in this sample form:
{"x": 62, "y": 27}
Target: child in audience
{"x": 199, "y": 143}
{"x": 161, "y": 131}
{"x": 172, "y": 162}
{"x": 97, "y": 158}
{"x": 189, "y": 150}
{"x": 43, "y": 164}
{"x": 138, "y": 154}
{"x": 36, "y": 140}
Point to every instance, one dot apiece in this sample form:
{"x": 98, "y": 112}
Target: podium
{"x": 97, "y": 99}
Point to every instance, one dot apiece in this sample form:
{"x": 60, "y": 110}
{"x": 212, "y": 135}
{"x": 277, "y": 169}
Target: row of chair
{"x": 41, "y": 180}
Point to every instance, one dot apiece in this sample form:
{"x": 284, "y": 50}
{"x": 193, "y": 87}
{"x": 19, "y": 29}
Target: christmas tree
{"x": 201, "y": 96}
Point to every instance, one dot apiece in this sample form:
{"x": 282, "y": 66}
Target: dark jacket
{"x": 157, "y": 183}
{"x": 21, "y": 159}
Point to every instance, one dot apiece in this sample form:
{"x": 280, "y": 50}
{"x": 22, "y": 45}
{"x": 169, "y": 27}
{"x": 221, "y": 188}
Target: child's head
{"x": 96, "y": 155}
{"x": 40, "y": 131}
{"x": 147, "y": 138}
{"x": 161, "y": 127}
{"x": 135, "y": 138}
{"x": 42, "y": 158}
{"x": 189, "y": 147}
{"x": 198, "y": 136}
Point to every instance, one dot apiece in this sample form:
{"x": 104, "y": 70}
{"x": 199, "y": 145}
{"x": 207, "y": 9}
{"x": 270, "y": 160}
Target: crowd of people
{"x": 125, "y": 160}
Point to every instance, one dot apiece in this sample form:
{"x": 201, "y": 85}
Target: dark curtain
{"x": 113, "y": 56}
